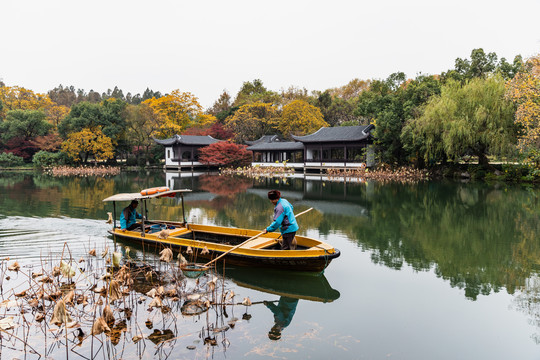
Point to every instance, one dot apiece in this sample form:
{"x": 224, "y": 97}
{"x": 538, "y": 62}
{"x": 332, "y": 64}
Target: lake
{"x": 432, "y": 270}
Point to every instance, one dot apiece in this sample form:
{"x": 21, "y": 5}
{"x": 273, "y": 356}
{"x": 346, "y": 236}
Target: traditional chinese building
{"x": 328, "y": 147}
{"x": 270, "y": 149}
{"x": 182, "y": 151}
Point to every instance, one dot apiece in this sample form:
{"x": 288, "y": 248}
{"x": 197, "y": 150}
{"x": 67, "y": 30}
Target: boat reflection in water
{"x": 290, "y": 286}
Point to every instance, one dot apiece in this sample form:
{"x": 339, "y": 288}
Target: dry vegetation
{"x": 66, "y": 306}
{"x": 382, "y": 174}
{"x": 83, "y": 171}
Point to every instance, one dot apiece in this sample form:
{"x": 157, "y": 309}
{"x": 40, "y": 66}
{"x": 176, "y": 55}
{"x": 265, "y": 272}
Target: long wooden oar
{"x": 248, "y": 240}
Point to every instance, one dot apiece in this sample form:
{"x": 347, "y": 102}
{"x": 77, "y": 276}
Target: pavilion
{"x": 328, "y": 147}
{"x": 182, "y": 151}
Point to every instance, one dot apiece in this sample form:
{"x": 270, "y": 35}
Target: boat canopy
{"x": 138, "y": 196}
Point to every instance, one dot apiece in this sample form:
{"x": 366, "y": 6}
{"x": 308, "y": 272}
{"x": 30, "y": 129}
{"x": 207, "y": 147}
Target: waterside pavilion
{"x": 182, "y": 151}
{"x": 342, "y": 147}
{"x": 270, "y": 150}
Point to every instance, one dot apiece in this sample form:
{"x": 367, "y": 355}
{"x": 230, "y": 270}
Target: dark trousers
{"x": 287, "y": 243}
{"x": 134, "y": 226}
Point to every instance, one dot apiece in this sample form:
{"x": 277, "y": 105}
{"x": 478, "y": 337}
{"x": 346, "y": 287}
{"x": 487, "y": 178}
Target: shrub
{"x": 8, "y": 159}
{"x": 45, "y": 159}
{"x": 515, "y": 172}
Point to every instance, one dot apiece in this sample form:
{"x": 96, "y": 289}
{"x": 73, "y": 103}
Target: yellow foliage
{"x": 56, "y": 113}
{"x": 252, "y": 121}
{"x": 179, "y": 110}
{"x": 204, "y": 120}
{"x": 19, "y": 98}
{"x": 300, "y": 118}
{"x": 87, "y": 142}
{"x": 524, "y": 90}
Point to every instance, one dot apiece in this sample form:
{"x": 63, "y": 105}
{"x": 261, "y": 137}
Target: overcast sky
{"x": 205, "y": 47}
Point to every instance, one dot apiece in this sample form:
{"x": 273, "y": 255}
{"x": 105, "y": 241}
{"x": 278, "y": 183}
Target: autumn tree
{"x": 108, "y": 116}
{"x": 295, "y": 93}
{"x": 524, "y": 91}
{"x": 143, "y": 124}
{"x": 216, "y": 130}
{"x": 82, "y": 144}
{"x": 252, "y": 121}
{"x": 225, "y": 154}
{"x": 55, "y": 114}
{"x": 222, "y": 105}
{"x": 351, "y": 90}
{"x": 474, "y": 119}
{"x": 64, "y": 96}
{"x": 179, "y": 110}
{"x": 19, "y": 98}
{"x": 49, "y": 142}
{"x": 255, "y": 92}
{"x": 300, "y": 118}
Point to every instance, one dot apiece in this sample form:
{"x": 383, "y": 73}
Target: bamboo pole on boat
{"x": 248, "y": 240}
{"x": 234, "y": 248}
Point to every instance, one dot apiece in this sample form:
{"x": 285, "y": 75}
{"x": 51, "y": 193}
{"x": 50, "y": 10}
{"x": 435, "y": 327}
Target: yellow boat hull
{"x": 264, "y": 251}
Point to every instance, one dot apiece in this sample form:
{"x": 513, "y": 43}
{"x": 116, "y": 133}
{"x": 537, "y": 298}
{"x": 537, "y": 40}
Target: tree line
{"x": 482, "y": 108}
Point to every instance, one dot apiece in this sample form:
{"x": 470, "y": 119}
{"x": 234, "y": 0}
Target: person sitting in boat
{"x": 129, "y": 216}
{"x": 284, "y": 219}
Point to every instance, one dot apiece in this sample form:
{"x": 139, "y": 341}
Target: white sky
{"x": 207, "y": 46}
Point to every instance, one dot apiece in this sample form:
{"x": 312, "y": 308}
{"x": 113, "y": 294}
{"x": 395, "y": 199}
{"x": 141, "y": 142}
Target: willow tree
{"x": 473, "y": 119}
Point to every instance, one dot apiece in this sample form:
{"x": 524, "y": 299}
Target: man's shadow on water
{"x": 283, "y": 313}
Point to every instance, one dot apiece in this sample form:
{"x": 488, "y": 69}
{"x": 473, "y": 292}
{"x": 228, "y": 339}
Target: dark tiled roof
{"x": 278, "y": 146}
{"x": 338, "y": 133}
{"x": 188, "y": 140}
{"x": 265, "y": 139}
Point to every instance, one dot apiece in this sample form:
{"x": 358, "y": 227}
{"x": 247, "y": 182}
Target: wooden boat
{"x": 264, "y": 251}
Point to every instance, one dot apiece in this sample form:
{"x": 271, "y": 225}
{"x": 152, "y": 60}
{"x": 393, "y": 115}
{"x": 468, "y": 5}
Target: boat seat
{"x": 178, "y": 231}
{"x": 259, "y": 243}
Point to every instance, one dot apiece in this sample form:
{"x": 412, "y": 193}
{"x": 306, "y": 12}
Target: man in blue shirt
{"x": 283, "y": 219}
{"x": 129, "y": 216}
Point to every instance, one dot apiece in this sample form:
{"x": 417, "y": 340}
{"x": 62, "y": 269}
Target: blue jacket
{"x": 129, "y": 217}
{"x": 283, "y": 218}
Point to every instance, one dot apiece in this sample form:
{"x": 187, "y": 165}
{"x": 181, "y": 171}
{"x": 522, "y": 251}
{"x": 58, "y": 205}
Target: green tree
{"x": 143, "y": 124}
{"x": 382, "y": 105}
{"x": 255, "y": 92}
{"x": 481, "y": 65}
{"x": 389, "y": 104}
{"x": 473, "y": 119}
{"x": 108, "y": 115}
{"x": 25, "y": 124}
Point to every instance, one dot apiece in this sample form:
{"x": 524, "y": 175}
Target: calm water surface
{"x": 428, "y": 271}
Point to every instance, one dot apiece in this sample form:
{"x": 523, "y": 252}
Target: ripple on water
{"x": 30, "y": 239}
